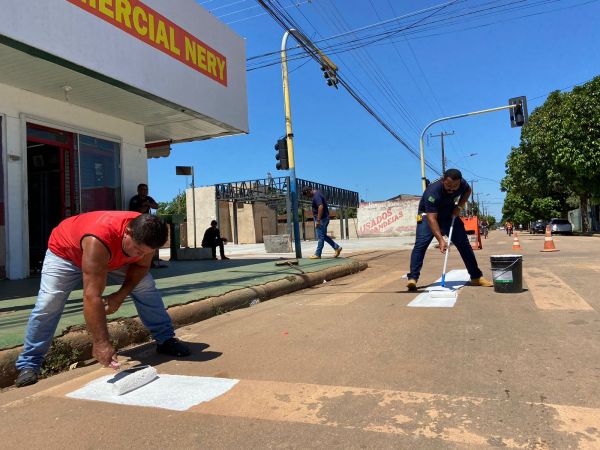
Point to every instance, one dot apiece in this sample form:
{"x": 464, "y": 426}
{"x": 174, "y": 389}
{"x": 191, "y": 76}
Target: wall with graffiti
{"x": 388, "y": 218}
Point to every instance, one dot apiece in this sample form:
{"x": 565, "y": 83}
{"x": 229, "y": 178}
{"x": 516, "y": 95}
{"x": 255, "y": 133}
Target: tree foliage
{"x": 175, "y": 206}
{"x": 558, "y": 157}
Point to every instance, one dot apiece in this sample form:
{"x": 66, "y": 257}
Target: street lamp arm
{"x": 458, "y": 116}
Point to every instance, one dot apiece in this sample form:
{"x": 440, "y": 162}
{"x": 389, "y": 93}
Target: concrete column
{"x": 17, "y": 225}
{"x": 347, "y": 227}
{"x": 235, "y": 223}
{"x": 340, "y": 217}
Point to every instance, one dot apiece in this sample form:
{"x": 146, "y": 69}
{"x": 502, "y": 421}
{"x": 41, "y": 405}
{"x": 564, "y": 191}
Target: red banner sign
{"x": 145, "y": 24}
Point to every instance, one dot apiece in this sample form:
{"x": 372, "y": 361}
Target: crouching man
{"x": 95, "y": 246}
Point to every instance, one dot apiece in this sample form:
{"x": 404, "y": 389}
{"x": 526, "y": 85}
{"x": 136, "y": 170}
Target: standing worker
{"x": 321, "y": 218}
{"x": 442, "y": 200}
{"x": 97, "y": 245}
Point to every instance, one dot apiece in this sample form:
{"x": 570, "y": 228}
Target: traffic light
{"x": 282, "y": 154}
{"x": 518, "y": 114}
{"x": 330, "y": 75}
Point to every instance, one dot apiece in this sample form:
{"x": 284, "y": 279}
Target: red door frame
{"x": 67, "y": 148}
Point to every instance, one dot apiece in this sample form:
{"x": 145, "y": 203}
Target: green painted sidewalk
{"x": 182, "y": 282}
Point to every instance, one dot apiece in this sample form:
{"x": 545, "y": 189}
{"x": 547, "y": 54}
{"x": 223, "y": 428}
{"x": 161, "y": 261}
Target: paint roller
{"x": 130, "y": 379}
{"x": 445, "y": 293}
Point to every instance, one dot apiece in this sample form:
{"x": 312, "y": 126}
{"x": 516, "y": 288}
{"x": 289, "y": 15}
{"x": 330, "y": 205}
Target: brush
{"x": 130, "y": 379}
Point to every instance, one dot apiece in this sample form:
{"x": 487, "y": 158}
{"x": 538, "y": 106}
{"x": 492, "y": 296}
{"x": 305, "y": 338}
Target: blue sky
{"x": 433, "y": 70}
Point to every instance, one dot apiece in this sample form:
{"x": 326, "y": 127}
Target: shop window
{"x": 99, "y": 174}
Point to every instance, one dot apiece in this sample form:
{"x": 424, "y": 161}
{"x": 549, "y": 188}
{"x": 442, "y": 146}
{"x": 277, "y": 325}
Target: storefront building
{"x": 89, "y": 89}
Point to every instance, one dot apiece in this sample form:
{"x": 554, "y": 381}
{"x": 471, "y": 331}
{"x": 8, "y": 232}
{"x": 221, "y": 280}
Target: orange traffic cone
{"x": 516, "y": 243}
{"x": 548, "y": 241}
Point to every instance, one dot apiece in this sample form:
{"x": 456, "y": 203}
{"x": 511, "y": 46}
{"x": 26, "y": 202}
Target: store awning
{"x": 35, "y": 71}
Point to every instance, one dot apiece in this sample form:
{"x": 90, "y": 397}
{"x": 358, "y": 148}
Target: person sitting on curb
{"x": 97, "y": 245}
{"x": 442, "y": 200}
{"x": 212, "y": 239}
{"x": 321, "y": 218}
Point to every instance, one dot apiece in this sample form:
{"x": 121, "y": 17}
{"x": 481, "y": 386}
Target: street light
{"x": 189, "y": 170}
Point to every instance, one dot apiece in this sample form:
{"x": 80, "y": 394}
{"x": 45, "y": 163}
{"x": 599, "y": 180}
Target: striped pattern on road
{"x": 461, "y": 420}
{"x": 467, "y": 420}
{"x": 551, "y": 293}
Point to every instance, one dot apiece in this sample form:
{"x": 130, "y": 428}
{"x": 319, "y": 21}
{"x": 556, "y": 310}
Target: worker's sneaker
{"x": 411, "y": 285}
{"x": 314, "y": 257}
{"x": 26, "y": 377}
{"x": 481, "y": 282}
{"x": 224, "y": 257}
{"x": 173, "y": 347}
{"x": 337, "y": 252}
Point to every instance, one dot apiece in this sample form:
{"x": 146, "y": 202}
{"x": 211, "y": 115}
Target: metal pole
{"x": 443, "y": 157}
{"x": 458, "y": 116}
{"x": 194, "y": 204}
{"x": 290, "y": 144}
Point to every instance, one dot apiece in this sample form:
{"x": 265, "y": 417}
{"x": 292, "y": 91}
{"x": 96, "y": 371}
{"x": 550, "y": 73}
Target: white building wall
{"x": 19, "y": 107}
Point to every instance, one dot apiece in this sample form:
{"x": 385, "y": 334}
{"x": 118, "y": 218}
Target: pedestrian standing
{"x": 321, "y": 219}
{"x": 442, "y": 200}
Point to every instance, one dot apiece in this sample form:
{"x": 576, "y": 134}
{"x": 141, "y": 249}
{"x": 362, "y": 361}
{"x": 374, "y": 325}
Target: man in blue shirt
{"x": 443, "y": 199}
{"x": 321, "y": 218}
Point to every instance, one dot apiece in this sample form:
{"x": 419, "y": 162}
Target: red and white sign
{"x": 390, "y": 218}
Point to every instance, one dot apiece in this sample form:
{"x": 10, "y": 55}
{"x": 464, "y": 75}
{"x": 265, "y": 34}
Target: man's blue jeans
{"x": 322, "y": 237}
{"x": 59, "y": 278}
{"x": 459, "y": 239}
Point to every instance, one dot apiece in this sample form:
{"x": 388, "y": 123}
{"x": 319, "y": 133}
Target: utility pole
{"x": 473, "y": 195}
{"x": 441, "y": 135}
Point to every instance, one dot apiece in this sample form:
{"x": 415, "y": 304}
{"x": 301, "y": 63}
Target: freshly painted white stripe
{"x": 175, "y": 392}
{"x": 455, "y": 279}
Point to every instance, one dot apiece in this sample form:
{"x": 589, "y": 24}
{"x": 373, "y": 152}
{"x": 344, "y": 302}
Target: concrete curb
{"x": 76, "y": 345}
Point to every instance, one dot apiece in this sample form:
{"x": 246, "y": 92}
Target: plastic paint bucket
{"x": 507, "y": 273}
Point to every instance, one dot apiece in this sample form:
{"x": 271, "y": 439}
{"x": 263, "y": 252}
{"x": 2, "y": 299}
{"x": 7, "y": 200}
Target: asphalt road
{"x": 348, "y": 365}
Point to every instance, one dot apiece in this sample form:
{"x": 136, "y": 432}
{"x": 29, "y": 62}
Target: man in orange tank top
{"x": 96, "y": 246}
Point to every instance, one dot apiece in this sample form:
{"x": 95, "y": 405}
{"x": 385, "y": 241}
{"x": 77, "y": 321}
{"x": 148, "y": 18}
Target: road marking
{"x": 550, "y": 292}
{"x": 462, "y": 420}
{"x": 455, "y": 280}
{"x": 343, "y": 295}
{"x": 468, "y": 420}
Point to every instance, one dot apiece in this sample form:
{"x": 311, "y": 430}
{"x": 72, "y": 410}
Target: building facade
{"x": 89, "y": 89}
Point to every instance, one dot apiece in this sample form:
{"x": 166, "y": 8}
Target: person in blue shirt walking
{"x": 321, "y": 218}
{"x": 442, "y": 200}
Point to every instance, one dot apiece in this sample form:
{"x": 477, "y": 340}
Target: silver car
{"x": 561, "y": 226}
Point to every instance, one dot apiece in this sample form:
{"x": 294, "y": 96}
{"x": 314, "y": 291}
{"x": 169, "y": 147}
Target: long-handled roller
{"x": 445, "y": 293}
{"x": 443, "y": 284}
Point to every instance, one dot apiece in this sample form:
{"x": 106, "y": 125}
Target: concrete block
{"x": 187, "y": 254}
{"x": 277, "y": 243}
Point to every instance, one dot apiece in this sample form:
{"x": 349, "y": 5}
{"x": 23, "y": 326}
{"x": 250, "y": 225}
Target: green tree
{"x": 558, "y": 157}
{"x": 175, "y": 206}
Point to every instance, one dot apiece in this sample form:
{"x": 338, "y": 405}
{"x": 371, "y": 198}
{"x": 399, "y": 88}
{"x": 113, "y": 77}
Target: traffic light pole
{"x": 290, "y": 144}
{"x": 458, "y": 116}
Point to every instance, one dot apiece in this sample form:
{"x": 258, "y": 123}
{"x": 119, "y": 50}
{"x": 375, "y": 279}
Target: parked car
{"x": 561, "y": 226}
{"x": 539, "y": 226}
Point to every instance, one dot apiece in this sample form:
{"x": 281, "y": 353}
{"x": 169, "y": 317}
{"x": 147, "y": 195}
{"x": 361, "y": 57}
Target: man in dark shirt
{"x": 212, "y": 239}
{"x": 443, "y": 199}
{"x": 142, "y": 202}
{"x": 321, "y": 218}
